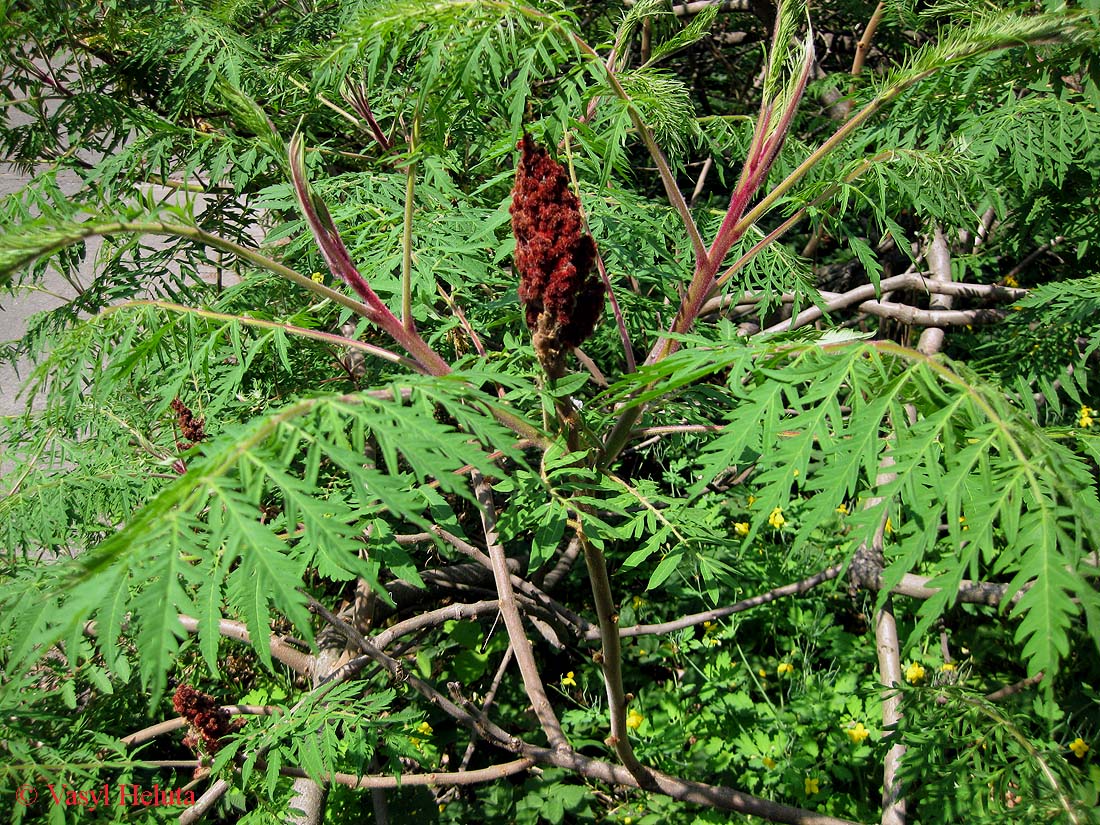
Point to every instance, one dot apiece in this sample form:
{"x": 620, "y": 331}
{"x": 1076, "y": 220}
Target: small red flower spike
{"x": 562, "y": 295}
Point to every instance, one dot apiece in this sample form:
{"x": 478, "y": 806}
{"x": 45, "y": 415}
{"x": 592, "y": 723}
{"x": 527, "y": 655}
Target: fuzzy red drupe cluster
{"x": 193, "y": 429}
{"x": 554, "y": 256}
{"x": 207, "y": 719}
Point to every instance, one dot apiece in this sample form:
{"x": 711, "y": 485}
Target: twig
{"x": 803, "y": 586}
{"x": 696, "y": 6}
{"x": 451, "y": 612}
{"x": 593, "y": 369}
{"x": 490, "y": 774}
{"x": 864, "y": 44}
{"x": 161, "y": 728}
{"x": 1042, "y": 250}
{"x": 281, "y": 650}
{"x": 244, "y": 320}
{"x": 702, "y": 180}
{"x": 1014, "y": 688}
{"x": 486, "y": 703}
{"x": 620, "y": 324}
{"x": 407, "y": 232}
{"x": 677, "y": 429}
{"x": 399, "y": 674}
{"x": 564, "y": 564}
{"x": 611, "y": 661}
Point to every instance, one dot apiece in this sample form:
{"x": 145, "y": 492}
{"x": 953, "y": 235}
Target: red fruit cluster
{"x": 191, "y": 428}
{"x": 554, "y": 256}
{"x": 207, "y": 720}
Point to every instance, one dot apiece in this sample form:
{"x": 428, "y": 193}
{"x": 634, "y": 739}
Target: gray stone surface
{"x": 15, "y": 311}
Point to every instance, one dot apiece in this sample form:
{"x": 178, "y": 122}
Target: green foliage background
{"x": 758, "y": 459}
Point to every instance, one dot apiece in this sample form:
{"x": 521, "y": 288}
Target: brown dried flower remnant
{"x": 208, "y": 721}
{"x": 554, "y": 256}
{"x": 191, "y": 428}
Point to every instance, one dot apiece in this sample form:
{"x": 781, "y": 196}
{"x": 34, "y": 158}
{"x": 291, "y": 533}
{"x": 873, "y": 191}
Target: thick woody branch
{"x": 400, "y": 675}
{"x": 867, "y": 564}
{"x": 324, "y": 684}
{"x": 917, "y": 317}
{"x": 864, "y": 296}
{"x": 971, "y": 592}
{"x": 699, "y": 793}
{"x": 521, "y": 585}
{"x": 889, "y": 664}
{"x": 939, "y": 261}
{"x": 906, "y": 280}
{"x": 713, "y": 796}
{"x": 435, "y": 779}
{"x": 521, "y": 645}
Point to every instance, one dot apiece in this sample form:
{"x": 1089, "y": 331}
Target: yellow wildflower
{"x": 812, "y": 786}
{"x": 784, "y": 668}
{"x": 842, "y": 509}
{"x": 424, "y": 729}
{"x": 914, "y": 673}
{"x": 1086, "y": 417}
{"x": 568, "y": 681}
{"x": 628, "y": 820}
{"x": 776, "y": 519}
{"x": 962, "y": 521}
{"x": 752, "y": 500}
{"x": 741, "y": 528}
{"x": 1079, "y": 747}
{"x": 1011, "y": 282}
{"x": 769, "y": 763}
{"x": 857, "y": 733}
{"x": 948, "y": 667}
{"x": 762, "y": 672}
{"x": 889, "y": 527}
{"x": 795, "y": 472}
{"x": 634, "y": 719}
{"x": 637, "y": 602}
{"x": 317, "y": 278}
